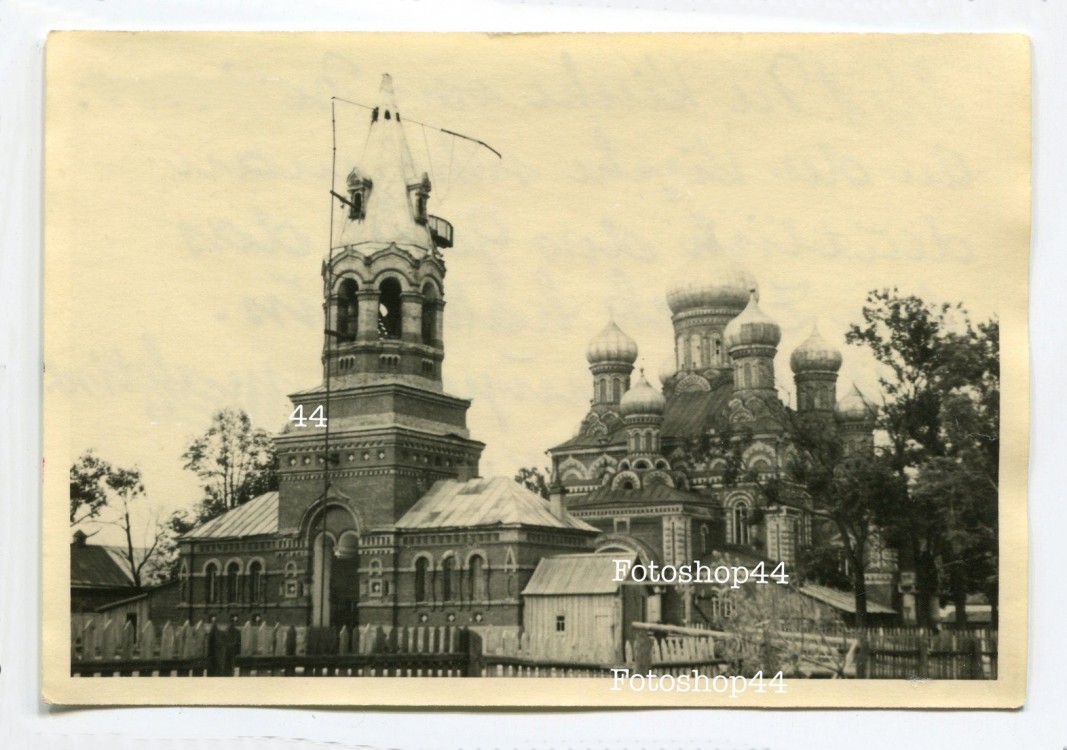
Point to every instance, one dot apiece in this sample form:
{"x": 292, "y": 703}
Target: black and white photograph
{"x": 613, "y": 370}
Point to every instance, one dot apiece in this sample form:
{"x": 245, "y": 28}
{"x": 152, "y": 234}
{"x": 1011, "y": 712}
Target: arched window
{"x": 617, "y": 390}
{"x": 347, "y": 310}
{"x": 704, "y": 351}
{"x": 422, "y": 569}
{"x": 211, "y": 583}
{"x": 183, "y": 585}
{"x": 233, "y": 582}
{"x": 429, "y": 314}
{"x": 716, "y": 342}
{"x": 255, "y": 581}
{"x": 479, "y": 579}
{"x": 448, "y": 566}
{"x": 390, "y": 316}
{"x": 747, "y": 379}
{"x": 689, "y": 353}
{"x": 740, "y": 523}
{"x": 704, "y": 539}
{"x": 356, "y": 209}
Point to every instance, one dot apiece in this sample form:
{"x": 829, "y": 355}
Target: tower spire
{"x": 387, "y": 197}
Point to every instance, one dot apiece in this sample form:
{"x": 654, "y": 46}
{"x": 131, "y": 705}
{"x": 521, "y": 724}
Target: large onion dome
{"x": 752, "y": 327}
{"x": 854, "y": 407}
{"x": 815, "y": 355}
{"x": 611, "y": 345}
{"x": 716, "y": 282}
{"x": 642, "y": 398}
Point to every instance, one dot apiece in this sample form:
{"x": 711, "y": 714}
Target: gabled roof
{"x": 592, "y": 573}
{"x": 99, "y": 566}
{"x": 483, "y": 502}
{"x": 257, "y": 517}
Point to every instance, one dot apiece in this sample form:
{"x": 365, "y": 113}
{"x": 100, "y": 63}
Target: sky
{"x": 187, "y": 209}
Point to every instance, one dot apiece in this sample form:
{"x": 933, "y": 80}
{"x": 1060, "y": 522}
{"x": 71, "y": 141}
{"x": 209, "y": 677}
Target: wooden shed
{"x": 575, "y": 600}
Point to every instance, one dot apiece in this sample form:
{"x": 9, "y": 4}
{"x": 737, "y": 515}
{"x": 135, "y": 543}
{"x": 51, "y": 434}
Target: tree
{"x": 88, "y": 496}
{"x": 234, "y": 461}
{"x": 533, "y": 479}
{"x": 941, "y": 385}
{"x": 856, "y": 490}
{"x": 856, "y": 493}
{"x": 98, "y": 485}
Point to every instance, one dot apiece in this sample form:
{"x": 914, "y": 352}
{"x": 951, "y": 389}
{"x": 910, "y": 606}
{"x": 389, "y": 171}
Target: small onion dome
{"x": 752, "y": 327}
{"x": 668, "y": 369}
{"x": 719, "y": 282}
{"x": 642, "y": 398}
{"x": 853, "y": 406}
{"x": 815, "y": 355}
{"x": 611, "y": 345}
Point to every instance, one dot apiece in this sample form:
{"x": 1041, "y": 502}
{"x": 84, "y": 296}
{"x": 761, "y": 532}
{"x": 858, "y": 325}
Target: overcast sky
{"x": 188, "y": 210}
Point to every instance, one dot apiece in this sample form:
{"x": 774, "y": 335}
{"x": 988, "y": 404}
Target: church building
{"x": 674, "y": 475}
{"x": 380, "y": 516}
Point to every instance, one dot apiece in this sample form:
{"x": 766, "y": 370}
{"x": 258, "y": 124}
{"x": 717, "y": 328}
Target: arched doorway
{"x": 334, "y": 565}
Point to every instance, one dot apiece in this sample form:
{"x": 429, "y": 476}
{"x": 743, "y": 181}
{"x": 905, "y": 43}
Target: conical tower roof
{"x": 390, "y": 210}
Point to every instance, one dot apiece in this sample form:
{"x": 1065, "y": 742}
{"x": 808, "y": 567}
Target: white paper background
{"x": 26, "y": 722}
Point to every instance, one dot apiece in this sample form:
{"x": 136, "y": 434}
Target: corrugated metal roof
{"x": 483, "y": 502}
{"x": 592, "y": 573}
{"x": 656, "y": 494}
{"x": 256, "y": 517}
{"x": 842, "y": 600}
{"x": 95, "y": 565}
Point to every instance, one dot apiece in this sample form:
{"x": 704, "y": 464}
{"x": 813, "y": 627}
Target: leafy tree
{"x": 97, "y": 484}
{"x": 941, "y": 384}
{"x": 234, "y": 461}
{"x": 533, "y": 479}
{"x": 88, "y": 496}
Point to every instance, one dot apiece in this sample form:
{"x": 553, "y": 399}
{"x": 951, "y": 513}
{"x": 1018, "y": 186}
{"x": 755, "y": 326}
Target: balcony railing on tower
{"x": 440, "y": 231}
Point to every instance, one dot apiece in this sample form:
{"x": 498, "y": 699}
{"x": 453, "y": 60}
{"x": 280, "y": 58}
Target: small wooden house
{"x": 573, "y": 605}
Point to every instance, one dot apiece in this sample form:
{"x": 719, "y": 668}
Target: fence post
{"x": 924, "y": 654}
{"x": 475, "y": 663}
{"x": 862, "y": 657}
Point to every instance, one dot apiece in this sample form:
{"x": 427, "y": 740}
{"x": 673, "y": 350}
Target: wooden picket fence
{"x": 103, "y": 647}
{"x": 918, "y": 653}
{"x": 515, "y": 654}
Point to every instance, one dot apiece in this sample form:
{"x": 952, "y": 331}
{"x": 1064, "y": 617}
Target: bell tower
{"x": 392, "y": 430}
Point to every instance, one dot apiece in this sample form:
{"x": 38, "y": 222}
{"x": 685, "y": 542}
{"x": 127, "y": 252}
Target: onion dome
{"x": 611, "y": 345}
{"x": 815, "y": 355}
{"x": 853, "y": 406}
{"x": 752, "y": 327}
{"x": 642, "y": 398}
{"x": 668, "y": 369}
{"x": 717, "y": 282}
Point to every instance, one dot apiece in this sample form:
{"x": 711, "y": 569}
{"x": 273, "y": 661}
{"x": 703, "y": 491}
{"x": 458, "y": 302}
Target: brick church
{"x": 380, "y": 516}
{"x": 639, "y": 468}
